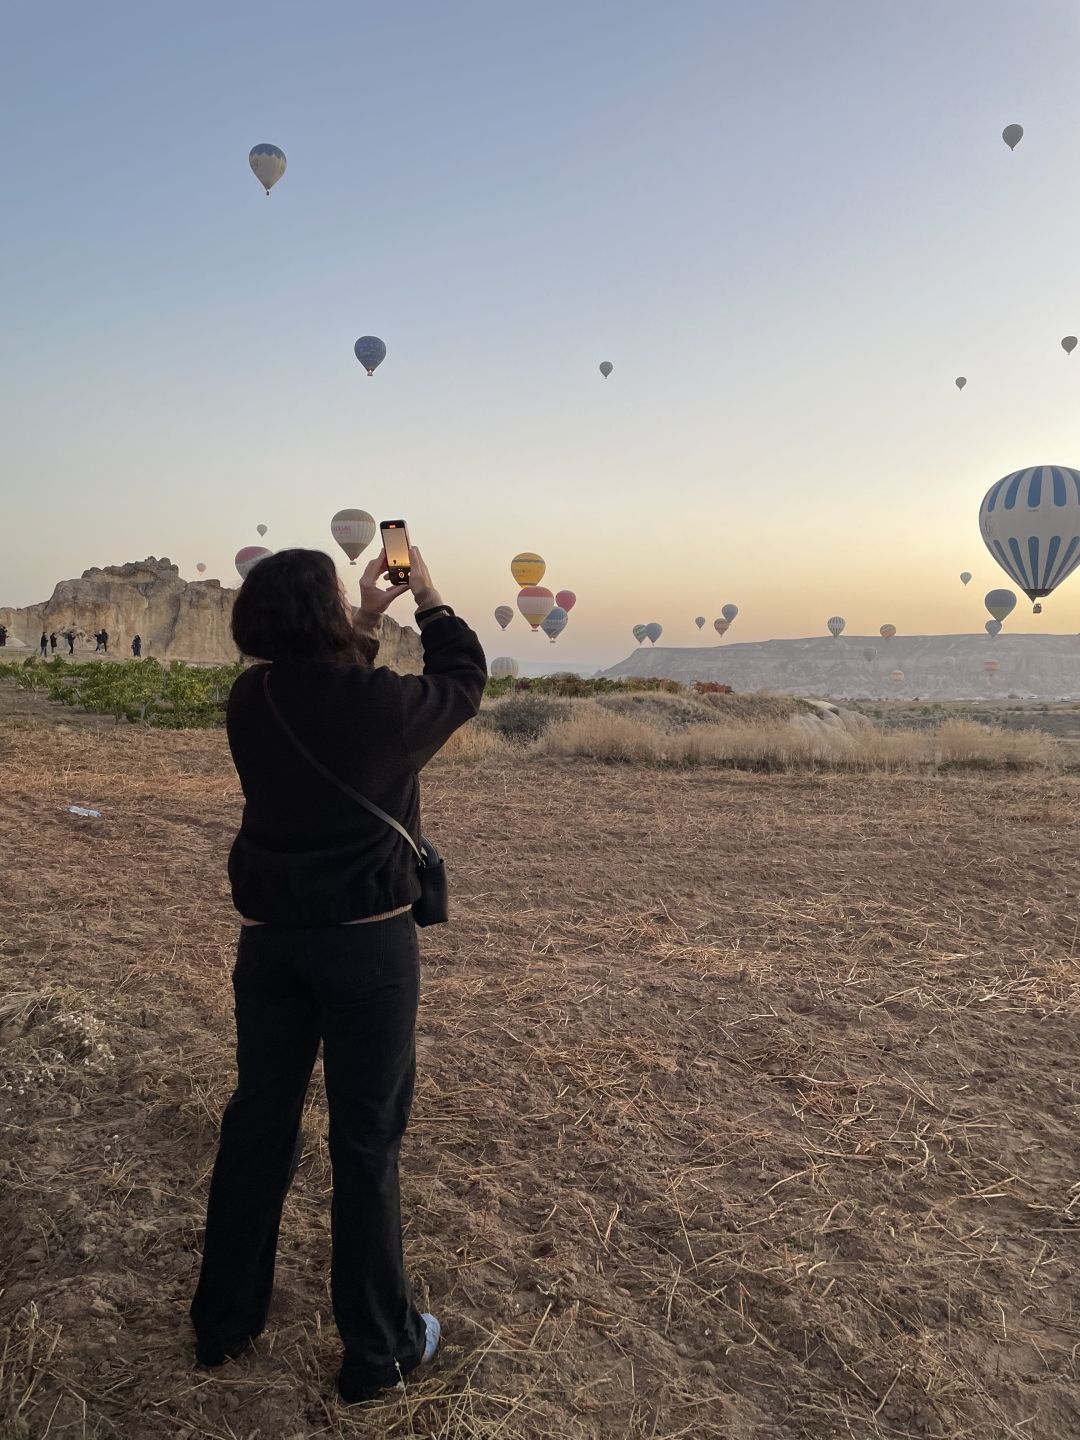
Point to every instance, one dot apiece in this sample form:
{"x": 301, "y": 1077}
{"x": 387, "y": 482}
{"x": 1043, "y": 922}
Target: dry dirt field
{"x": 748, "y": 1105}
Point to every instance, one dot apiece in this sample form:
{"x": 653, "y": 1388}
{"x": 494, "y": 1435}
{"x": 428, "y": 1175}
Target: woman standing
{"x": 327, "y": 944}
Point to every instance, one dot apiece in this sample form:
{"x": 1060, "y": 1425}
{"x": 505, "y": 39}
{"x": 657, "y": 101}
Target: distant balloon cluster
{"x": 651, "y": 632}
{"x": 541, "y": 609}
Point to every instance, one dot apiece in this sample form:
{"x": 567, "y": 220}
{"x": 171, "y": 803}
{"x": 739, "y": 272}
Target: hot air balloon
{"x": 247, "y": 558}
{"x": 721, "y": 626}
{"x": 606, "y": 368}
{"x": 887, "y": 632}
{"x": 566, "y": 598}
{"x": 354, "y": 531}
{"x": 729, "y": 612}
{"x": 201, "y": 567}
{"x": 261, "y": 529}
{"x": 1012, "y": 135}
{"x": 835, "y": 625}
{"x": 503, "y": 614}
{"x": 527, "y": 568}
{"x": 1030, "y": 522}
{"x": 1036, "y": 609}
{"x": 1068, "y": 344}
{"x": 897, "y": 676}
{"x": 869, "y": 655}
{"x": 534, "y": 602}
{"x": 503, "y": 668}
{"x": 268, "y": 165}
{"x": 965, "y": 577}
{"x": 639, "y": 633}
{"x": 991, "y": 666}
{"x": 960, "y": 381}
{"x": 554, "y": 622}
{"x": 371, "y": 352}
{"x": 993, "y": 628}
{"x": 1000, "y": 603}
{"x": 653, "y": 631}
{"x": 699, "y": 621}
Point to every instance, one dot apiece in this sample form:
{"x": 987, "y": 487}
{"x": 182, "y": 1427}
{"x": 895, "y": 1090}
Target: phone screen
{"x": 396, "y": 541}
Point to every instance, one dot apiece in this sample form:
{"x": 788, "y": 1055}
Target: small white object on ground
{"x": 82, "y": 810}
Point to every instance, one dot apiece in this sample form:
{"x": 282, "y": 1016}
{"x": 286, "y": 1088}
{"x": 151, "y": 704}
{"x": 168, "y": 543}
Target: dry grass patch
{"x": 966, "y": 743}
{"x": 595, "y": 732}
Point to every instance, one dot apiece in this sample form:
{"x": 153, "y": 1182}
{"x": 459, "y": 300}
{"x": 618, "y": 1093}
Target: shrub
{"x": 174, "y": 697}
{"x": 668, "y": 713}
{"x": 521, "y": 718}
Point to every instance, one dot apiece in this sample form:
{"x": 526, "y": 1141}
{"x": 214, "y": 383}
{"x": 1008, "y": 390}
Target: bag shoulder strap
{"x": 329, "y": 774}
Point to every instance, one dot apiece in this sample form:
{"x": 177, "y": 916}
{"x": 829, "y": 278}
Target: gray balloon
{"x": 1012, "y": 135}
{"x": 606, "y": 368}
{"x": 370, "y": 351}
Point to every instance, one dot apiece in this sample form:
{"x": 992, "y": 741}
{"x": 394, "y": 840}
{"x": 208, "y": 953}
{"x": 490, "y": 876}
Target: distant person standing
{"x": 52, "y": 642}
{"x": 105, "y": 640}
{"x": 69, "y": 636}
{"x": 97, "y": 642}
{"x": 136, "y": 647}
{"x": 3, "y": 635}
{"x": 44, "y": 644}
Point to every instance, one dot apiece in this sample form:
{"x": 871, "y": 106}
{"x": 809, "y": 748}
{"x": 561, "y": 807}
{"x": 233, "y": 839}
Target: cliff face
{"x": 934, "y": 667}
{"x": 177, "y": 619}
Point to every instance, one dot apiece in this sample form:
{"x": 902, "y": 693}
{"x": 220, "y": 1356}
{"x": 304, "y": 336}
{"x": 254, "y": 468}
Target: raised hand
{"x": 374, "y": 599}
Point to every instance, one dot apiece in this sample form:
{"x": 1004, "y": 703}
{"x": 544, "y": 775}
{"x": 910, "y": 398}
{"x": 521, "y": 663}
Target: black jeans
{"x": 355, "y": 987}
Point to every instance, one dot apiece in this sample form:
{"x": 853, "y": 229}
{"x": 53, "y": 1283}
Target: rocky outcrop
{"x": 177, "y": 619}
{"x": 933, "y": 667}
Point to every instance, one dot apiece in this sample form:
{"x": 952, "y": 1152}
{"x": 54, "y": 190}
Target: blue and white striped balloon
{"x": 1030, "y": 522}
{"x": 836, "y": 625}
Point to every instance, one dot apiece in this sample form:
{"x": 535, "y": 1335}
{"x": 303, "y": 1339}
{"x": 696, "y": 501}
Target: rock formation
{"x": 934, "y": 667}
{"x": 177, "y": 619}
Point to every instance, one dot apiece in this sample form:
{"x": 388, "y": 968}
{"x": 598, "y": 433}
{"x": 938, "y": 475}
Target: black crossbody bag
{"x": 433, "y": 907}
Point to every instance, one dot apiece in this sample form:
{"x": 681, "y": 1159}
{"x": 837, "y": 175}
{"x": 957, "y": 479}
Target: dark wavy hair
{"x": 290, "y": 608}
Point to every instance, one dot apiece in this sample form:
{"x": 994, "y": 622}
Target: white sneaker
{"x": 434, "y": 1337}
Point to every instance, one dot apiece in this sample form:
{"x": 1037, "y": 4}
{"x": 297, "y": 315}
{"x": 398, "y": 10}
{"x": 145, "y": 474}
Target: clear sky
{"x": 788, "y": 223}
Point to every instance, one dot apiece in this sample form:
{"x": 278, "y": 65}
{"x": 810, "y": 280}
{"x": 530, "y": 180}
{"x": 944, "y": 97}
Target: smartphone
{"x": 395, "y": 538}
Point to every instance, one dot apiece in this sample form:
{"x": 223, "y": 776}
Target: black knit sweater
{"x": 306, "y": 854}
